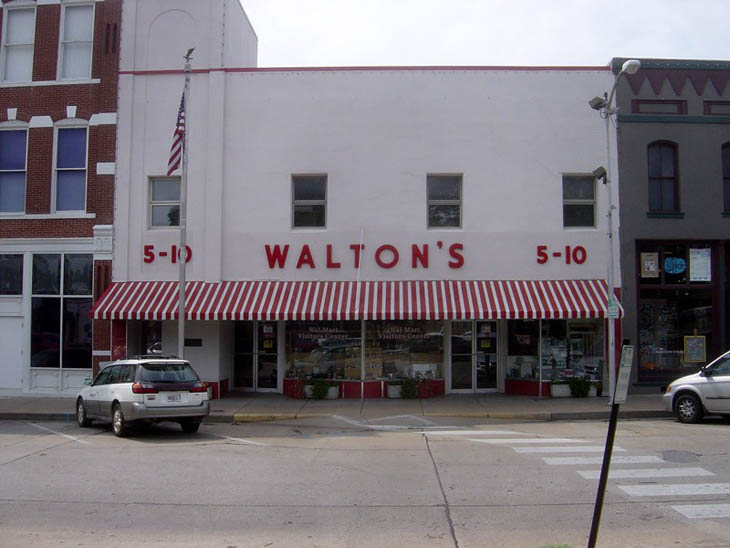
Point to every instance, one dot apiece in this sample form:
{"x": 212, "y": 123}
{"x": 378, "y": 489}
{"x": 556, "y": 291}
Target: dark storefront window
{"x": 675, "y": 309}
{"x": 11, "y": 274}
{"x": 397, "y": 349}
{"x": 60, "y": 322}
{"x": 323, "y": 349}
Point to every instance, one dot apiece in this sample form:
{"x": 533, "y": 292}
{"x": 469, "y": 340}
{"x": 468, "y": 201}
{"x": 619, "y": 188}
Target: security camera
{"x": 597, "y": 103}
{"x": 600, "y": 173}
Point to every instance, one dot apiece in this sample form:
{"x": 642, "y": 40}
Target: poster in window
{"x": 699, "y": 264}
{"x": 650, "y": 265}
{"x": 694, "y": 349}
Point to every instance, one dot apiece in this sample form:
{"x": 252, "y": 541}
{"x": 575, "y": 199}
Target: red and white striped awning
{"x": 367, "y": 300}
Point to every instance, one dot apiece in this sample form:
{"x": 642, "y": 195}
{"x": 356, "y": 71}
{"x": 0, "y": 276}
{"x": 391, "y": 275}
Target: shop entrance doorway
{"x": 474, "y": 356}
{"x": 255, "y": 356}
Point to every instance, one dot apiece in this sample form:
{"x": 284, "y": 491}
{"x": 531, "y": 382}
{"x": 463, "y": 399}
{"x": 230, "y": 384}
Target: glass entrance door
{"x": 473, "y": 356}
{"x": 255, "y": 364}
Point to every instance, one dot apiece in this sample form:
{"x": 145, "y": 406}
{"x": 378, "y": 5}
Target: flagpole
{"x": 182, "y": 252}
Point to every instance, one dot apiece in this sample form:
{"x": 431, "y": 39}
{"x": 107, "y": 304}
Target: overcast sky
{"x": 297, "y": 33}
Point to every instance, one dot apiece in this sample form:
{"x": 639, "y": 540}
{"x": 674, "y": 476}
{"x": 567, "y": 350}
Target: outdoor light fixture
{"x": 600, "y": 173}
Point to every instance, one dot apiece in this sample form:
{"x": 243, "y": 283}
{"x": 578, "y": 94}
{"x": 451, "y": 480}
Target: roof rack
{"x": 150, "y": 357}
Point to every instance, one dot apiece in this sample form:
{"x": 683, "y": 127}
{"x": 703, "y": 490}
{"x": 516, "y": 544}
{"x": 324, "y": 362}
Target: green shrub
{"x": 320, "y": 388}
{"x": 579, "y": 387}
{"x": 409, "y": 389}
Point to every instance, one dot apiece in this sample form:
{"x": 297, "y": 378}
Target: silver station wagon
{"x": 144, "y": 389}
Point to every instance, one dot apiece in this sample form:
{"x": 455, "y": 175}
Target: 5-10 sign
{"x": 570, "y": 254}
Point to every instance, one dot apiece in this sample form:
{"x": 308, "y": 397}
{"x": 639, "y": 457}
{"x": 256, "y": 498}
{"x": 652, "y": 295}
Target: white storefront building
{"x": 358, "y": 224}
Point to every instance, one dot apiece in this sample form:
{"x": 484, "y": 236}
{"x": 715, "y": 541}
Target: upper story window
{"x": 11, "y": 274}
{"x": 444, "y": 201}
{"x": 77, "y": 31}
{"x": 13, "y": 146}
{"x": 579, "y": 201}
{"x": 726, "y": 175}
{"x": 663, "y": 177}
{"x": 71, "y": 169}
{"x": 17, "y": 46}
{"x": 309, "y": 201}
{"x": 164, "y": 202}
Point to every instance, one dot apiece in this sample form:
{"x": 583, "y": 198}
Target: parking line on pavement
{"x": 509, "y": 441}
{"x": 682, "y": 489}
{"x": 701, "y": 511}
{"x": 632, "y": 459}
{"x": 236, "y": 439}
{"x": 635, "y": 473}
{"x": 58, "y": 433}
{"x": 566, "y": 449}
{"x": 472, "y": 433}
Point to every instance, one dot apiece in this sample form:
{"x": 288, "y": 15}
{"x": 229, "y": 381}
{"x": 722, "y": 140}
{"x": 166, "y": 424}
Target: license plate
{"x": 174, "y": 397}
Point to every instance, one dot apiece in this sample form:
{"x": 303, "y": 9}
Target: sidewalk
{"x": 266, "y": 407}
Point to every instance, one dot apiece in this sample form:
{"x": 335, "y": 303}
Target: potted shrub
{"x": 409, "y": 389}
{"x": 560, "y": 389}
{"x": 394, "y": 388}
{"x": 320, "y": 389}
{"x": 580, "y": 387}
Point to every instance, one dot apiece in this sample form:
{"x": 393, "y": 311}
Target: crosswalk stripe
{"x": 682, "y": 489}
{"x": 566, "y": 449}
{"x": 648, "y": 473}
{"x": 693, "y": 511}
{"x": 510, "y": 441}
{"x": 638, "y": 459}
{"x": 472, "y": 433}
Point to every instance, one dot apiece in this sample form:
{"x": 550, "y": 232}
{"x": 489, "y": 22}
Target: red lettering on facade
{"x": 356, "y": 249}
{"x": 305, "y": 257}
{"x": 276, "y": 257}
{"x": 330, "y": 262}
{"x": 379, "y": 259}
{"x": 454, "y": 250}
{"x": 419, "y": 255}
{"x": 149, "y": 254}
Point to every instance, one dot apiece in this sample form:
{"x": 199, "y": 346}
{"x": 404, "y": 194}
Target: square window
{"x": 164, "y": 202}
{"x": 309, "y": 201}
{"x": 12, "y": 171}
{"x": 71, "y": 169}
{"x": 579, "y": 201}
{"x": 444, "y": 201}
{"x": 18, "y": 40}
{"x": 76, "y": 41}
{"x": 11, "y": 274}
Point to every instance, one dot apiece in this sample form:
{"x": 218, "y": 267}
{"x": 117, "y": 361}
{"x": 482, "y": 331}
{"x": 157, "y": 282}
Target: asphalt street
{"x": 335, "y": 481}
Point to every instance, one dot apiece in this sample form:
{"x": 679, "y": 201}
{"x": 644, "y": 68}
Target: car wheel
{"x": 190, "y": 427}
{"x": 688, "y": 409}
{"x": 119, "y": 425}
{"x": 81, "y": 417}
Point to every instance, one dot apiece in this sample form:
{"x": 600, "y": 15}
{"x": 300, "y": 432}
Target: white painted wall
{"x": 376, "y": 134}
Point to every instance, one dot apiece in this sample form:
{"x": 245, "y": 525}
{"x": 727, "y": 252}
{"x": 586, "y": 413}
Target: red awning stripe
{"x": 368, "y": 300}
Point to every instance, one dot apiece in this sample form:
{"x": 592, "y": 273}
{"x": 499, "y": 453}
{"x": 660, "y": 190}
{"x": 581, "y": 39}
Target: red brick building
{"x": 59, "y": 63}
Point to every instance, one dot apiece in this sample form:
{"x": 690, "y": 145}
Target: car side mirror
{"x": 87, "y": 381}
{"x": 704, "y": 372}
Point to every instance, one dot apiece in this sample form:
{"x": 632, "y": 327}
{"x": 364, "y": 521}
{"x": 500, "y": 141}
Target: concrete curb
{"x": 239, "y": 418}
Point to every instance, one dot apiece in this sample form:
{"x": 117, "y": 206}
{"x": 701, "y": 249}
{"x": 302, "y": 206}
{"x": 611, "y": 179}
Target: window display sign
{"x": 694, "y": 349}
{"x": 650, "y": 265}
{"x": 700, "y": 265}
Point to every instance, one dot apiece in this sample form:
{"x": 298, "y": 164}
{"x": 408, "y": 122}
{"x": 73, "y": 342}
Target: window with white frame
{"x": 579, "y": 201}
{"x": 61, "y": 307}
{"x": 444, "y": 201}
{"x": 11, "y": 274}
{"x": 71, "y": 156}
{"x": 309, "y": 201}
{"x": 13, "y": 146}
{"x": 17, "y": 46}
{"x": 164, "y": 202}
{"x": 77, "y": 31}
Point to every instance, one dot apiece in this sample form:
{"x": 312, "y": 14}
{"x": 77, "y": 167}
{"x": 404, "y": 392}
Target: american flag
{"x": 176, "y": 150}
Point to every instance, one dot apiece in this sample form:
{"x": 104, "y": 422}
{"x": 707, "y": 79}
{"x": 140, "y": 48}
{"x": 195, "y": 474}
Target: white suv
{"x": 707, "y": 391}
{"x": 144, "y": 389}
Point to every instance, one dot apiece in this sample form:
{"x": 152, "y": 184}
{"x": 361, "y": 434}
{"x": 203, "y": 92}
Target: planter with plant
{"x": 320, "y": 389}
{"x": 581, "y": 388}
{"x": 560, "y": 389}
{"x": 409, "y": 389}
